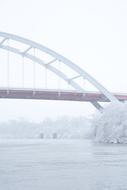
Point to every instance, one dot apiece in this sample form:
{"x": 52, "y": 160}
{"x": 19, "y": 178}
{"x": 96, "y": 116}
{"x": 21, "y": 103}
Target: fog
{"x": 62, "y": 127}
{"x": 108, "y": 126}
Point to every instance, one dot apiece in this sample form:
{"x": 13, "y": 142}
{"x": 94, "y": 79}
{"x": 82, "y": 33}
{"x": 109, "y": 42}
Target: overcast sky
{"x": 92, "y": 33}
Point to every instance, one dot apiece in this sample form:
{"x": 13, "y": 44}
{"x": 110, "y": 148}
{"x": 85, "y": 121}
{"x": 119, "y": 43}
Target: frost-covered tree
{"x": 110, "y": 126}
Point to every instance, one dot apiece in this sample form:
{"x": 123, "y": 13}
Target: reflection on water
{"x": 62, "y": 165}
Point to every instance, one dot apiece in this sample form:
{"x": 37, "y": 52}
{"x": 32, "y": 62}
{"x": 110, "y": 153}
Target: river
{"x": 62, "y": 165}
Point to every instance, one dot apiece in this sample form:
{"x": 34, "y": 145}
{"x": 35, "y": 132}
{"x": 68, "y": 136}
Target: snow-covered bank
{"x": 111, "y": 125}
{"x": 64, "y": 127}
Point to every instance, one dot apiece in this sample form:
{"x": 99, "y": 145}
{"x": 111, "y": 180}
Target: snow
{"x": 111, "y": 125}
{"x": 63, "y": 127}
{"x": 33, "y": 163}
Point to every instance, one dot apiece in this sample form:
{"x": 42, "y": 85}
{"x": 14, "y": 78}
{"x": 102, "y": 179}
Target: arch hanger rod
{"x": 61, "y": 58}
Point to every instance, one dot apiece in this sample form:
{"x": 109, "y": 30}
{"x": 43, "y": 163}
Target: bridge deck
{"x": 56, "y": 95}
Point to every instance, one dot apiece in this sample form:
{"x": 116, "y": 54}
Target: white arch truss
{"x": 55, "y": 56}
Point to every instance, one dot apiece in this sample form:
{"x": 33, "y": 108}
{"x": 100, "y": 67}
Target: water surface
{"x": 62, "y": 165}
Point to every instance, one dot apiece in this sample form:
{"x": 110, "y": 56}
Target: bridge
{"x": 44, "y": 94}
{"x": 31, "y": 53}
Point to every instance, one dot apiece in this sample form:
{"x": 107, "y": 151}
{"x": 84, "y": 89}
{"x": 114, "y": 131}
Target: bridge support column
{"x": 97, "y": 105}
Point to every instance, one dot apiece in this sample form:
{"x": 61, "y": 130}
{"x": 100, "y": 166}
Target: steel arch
{"x": 80, "y": 72}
